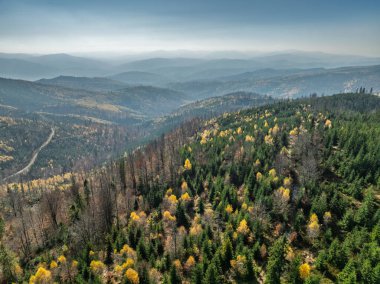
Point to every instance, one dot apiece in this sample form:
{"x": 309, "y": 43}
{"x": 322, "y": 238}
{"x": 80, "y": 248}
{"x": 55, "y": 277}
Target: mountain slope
{"x": 157, "y": 63}
{"x": 23, "y": 69}
{"x": 151, "y": 101}
{"x": 140, "y": 78}
{"x": 79, "y": 142}
{"x": 226, "y": 103}
{"x": 72, "y": 65}
{"x": 286, "y": 193}
{"x": 126, "y": 105}
{"x": 189, "y": 69}
{"x": 86, "y": 83}
{"x": 36, "y": 97}
{"x": 301, "y": 83}
{"x": 209, "y": 108}
{"x": 32, "y": 67}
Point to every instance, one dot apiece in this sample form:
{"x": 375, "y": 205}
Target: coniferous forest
{"x": 190, "y": 142}
{"x": 282, "y": 193}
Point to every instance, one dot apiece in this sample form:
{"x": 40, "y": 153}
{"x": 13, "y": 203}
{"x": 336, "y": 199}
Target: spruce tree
{"x": 276, "y": 261}
{"x": 211, "y": 276}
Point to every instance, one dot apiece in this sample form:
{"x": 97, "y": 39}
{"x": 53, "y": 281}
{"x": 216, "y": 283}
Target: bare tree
{"x": 307, "y": 156}
{"x": 51, "y": 202}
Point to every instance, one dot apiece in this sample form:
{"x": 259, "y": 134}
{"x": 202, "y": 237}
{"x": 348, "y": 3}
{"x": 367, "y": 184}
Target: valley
{"x": 128, "y": 109}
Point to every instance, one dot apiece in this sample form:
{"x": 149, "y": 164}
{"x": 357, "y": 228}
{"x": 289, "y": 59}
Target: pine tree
{"x": 109, "y": 251}
{"x": 276, "y": 261}
{"x": 141, "y": 249}
{"x": 293, "y": 274}
{"x": 197, "y": 274}
{"x": 174, "y": 278}
{"x": 227, "y": 253}
{"x": 143, "y": 275}
{"x": 348, "y": 274}
{"x": 181, "y": 216}
{"x": 367, "y": 273}
{"x": 201, "y": 207}
{"x": 251, "y": 276}
{"x": 211, "y": 276}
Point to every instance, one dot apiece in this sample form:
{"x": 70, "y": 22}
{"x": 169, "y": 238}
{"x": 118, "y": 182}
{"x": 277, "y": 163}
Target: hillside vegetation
{"x": 102, "y": 99}
{"x": 79, "y": 142}
{"x": 286, "y": 83}
{"x": 211, "y": 107}
{"x": 285, "y": 193}
{"x": 91, "y": 125}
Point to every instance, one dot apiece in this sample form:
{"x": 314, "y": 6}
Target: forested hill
{"x": 285, "y": 193}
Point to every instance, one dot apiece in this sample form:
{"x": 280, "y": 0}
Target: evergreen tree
{"x": 181, "y": 217}
{"x": 197, "y": 275}
{"x": 348, "y": 274}
{"x": 211, "y": 276}
{"x": 276, "y": 261}
{"x": 174, "y": 278}
{"x": 227, "y": 254}
{"x": 109, "y": 250}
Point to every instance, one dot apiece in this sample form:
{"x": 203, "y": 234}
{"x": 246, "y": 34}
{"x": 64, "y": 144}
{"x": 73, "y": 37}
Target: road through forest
{"x": 34, "y": 157}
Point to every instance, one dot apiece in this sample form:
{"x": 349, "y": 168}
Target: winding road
{"x": 34, "y": 157}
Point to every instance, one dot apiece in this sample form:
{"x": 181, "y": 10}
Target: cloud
{"x": 77, "y": 26}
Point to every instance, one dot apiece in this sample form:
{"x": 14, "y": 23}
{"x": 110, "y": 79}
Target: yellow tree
{"x": 190, "y": 262}
{"x": 42, "y": 276}
{"x": 243, "y": 227}
{"x": 132, "y": 276}
{"x": 229, "y": 209}
{"x": 304, "y": 271}
{"x": 313, "y": 226}
{"x": 185, "y": 197}
{"x": 97, "y": 266}
{"x": 187, "y": 165}
{"x": 259, "y": 176}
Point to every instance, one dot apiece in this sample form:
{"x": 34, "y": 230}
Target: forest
{"x": 282, "y": 193}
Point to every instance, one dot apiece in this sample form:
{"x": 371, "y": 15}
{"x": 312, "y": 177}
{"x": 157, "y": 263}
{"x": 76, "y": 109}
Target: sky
{"x": 133, "y": 26}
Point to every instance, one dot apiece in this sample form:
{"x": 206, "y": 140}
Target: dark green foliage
{"x": 276, "y": 261}
{"x": 182, "y": 219}
{"x": 293, "y": 276}
{"x": 212, "y": 276}
{"x": 174, "y": 278}
{"x": 197, "y": 274}
{"x": 109, "y": 251}
{"x": 348, "y": 274}
{"x": 227, "y": 254}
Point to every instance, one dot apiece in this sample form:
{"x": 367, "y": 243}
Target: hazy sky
{"x": 338, "y": 26}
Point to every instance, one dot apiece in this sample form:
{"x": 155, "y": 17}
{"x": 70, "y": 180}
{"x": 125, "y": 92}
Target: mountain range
{"x": 34, "y": 67}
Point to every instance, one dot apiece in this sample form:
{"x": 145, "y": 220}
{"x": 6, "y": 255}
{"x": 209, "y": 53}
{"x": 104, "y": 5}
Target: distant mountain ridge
{"x": 140, "y": 78}
{"x": 23, "y": 69}
{"x": 123, "y": 105}
{"x": 86, "y": 83}
{"x": 35, "y": 67}
{"x": 295, "y": 83}
{"x": 21, "y": 66}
